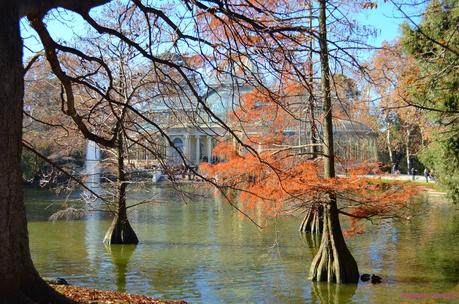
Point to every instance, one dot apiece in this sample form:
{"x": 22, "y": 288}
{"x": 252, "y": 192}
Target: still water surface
{"x": 203, "y": 252}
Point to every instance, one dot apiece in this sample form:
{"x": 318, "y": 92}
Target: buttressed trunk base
{"x": 333, "y": 262}
{"x": 120, "y": 232}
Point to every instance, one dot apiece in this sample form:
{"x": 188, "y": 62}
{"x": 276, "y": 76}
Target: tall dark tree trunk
{"x": 120, "y": 231}
{"x": 311, "y": 106}
{"x": 19, "y": 280}
{"x": 389, "y": 145}
{"x": 333, "y": 262}
{"x": 407, "y": 150}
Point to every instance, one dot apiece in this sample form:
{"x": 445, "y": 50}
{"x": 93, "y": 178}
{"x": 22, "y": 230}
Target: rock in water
{"x": 365, "y": 277}
{"x": 375, "y": 279}
{"x": 56, "y": 281}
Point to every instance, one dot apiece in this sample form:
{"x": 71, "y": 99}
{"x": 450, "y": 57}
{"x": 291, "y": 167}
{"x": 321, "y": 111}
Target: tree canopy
{"x": 275, "y": 47}
{"x": 433, "y": 45}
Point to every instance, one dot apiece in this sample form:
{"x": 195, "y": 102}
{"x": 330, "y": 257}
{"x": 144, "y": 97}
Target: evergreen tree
{"x": 434, "y": 46}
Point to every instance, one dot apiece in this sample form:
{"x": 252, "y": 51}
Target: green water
{"x": 203, "y": 252}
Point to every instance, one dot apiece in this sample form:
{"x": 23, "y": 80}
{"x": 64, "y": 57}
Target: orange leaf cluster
{"x": 282, "y": 183}
{"x": 281, "y": 180}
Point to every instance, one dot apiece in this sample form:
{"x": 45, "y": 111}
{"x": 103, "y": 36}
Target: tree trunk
{"x": 313, "y": 127}
{"x": 312, "y": 123}
{"x": 407, "y": 151}
{"x": 389, "y": 145}
{"x": 120, "y": 231}
{"x": 328, "y": 144}
{"x": 19, "y": 280}
{"x": 333, "y": 262}
{"x": 313, "y": 220}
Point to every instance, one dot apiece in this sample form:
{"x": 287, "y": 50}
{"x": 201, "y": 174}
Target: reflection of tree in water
{"x": 120, "y": 257}
{"x": 325, "y": 293}
{"x": 429, "y": 244}
{"x": 438, "y": 252}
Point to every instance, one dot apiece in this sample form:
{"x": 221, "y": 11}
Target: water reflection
{"x": 324, "y": 293}
{"x": 94, "y": 228}
{"x": 120, "y": 255}
{"x": 204, "y": 253}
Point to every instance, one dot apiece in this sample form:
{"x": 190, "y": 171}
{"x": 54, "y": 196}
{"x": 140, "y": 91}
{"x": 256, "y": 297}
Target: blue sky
{"x": 385, "y": 19}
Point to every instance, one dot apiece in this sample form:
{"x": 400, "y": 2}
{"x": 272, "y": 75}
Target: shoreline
{"x": 431, "y": 187}
{"x": 85, "y": 295}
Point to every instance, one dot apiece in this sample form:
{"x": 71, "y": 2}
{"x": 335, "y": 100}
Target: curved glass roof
{"x": 349, "y": 126}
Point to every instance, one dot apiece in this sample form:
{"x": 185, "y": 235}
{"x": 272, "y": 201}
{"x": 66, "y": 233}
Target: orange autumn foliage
{"x": 262, "y": 117}
{"x": 281, "y": 179}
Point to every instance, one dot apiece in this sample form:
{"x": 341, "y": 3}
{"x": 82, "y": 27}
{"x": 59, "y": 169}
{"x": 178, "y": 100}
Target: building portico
{"x": 196, "y": 147}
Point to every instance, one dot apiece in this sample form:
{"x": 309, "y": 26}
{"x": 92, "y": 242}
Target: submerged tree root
{"x": 313, "y": 220}
{"x": 312, "y": 241}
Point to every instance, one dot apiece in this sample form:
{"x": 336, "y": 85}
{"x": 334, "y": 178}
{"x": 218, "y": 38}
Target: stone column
{"x": 168, "y": 149}
{"x": 198, "y": 148}
{"x": 187, "y": 148}
{"x": 209, "y": 149}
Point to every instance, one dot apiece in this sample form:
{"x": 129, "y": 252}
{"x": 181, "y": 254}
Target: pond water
{"x": 203, "y": 252}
